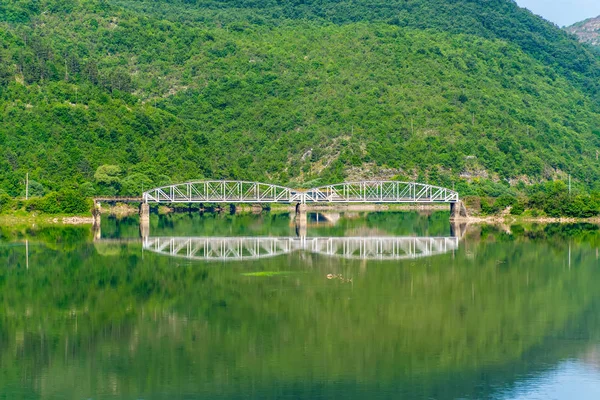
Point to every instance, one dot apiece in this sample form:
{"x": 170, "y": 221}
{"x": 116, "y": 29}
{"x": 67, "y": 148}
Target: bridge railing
{"x": 116, "y": 199}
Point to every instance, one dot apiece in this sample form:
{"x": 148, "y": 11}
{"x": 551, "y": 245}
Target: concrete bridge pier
{"x": 301, "y": 208}
{"x": 458, "y": 210}
{"x": 144, "y": 220}
{"x": 301, "y": 219}
{"x": 144, "y": 211}
{"x": 96, "y": 214}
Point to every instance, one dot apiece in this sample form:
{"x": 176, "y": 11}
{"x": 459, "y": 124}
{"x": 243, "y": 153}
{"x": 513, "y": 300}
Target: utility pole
{"x": 27, "y": 186}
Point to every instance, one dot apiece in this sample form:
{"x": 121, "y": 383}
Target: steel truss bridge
{"x": 250, "y": 248}
{"x": 256, "y": 192}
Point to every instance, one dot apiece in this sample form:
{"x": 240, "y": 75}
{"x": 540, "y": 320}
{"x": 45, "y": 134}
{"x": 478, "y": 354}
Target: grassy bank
{"x": 33, "y": 219}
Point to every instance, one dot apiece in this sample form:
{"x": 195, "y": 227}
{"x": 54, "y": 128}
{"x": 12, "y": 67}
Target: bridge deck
{"x": 119, "y": 199}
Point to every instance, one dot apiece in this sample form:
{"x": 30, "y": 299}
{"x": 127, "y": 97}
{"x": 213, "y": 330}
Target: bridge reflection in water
{"x": 248, "y": 248}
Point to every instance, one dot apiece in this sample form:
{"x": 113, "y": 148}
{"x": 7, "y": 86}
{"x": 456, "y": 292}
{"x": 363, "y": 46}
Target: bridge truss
{"x": 381, "y": 192}
{"x": 222, "y": 192}
{"x": 248, "y": 248}
{"x": 256, "y": 192}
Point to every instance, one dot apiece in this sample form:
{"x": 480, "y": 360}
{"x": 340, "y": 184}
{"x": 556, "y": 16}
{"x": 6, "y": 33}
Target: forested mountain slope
{"x": 290, "y": 92}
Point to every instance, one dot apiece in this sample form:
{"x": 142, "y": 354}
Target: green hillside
{"x": 292, "y": 92}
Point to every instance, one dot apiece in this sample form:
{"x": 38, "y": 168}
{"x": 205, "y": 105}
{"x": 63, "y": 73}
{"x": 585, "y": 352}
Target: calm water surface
{"x": 352, "y": 306}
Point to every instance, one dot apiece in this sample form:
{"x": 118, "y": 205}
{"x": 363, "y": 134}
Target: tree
{"x": 5, "y": 72}
{"x": 135, "y": 184}
{"x": 35, "y": 189}
{"x": 108, "y": 177}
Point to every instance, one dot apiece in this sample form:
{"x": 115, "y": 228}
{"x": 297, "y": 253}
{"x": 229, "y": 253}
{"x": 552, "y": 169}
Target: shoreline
{"x": 495, "y": 219}
{"x": 123, "y": 211}
{"x": 71, "y": 220}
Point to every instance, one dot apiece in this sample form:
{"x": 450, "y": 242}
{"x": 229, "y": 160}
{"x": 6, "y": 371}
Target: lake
{"x": 381, "y": 305}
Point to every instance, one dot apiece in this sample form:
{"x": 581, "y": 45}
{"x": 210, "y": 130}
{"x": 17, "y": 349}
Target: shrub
{"x": 517, "y": 209}
{"x": 49, "y": 204}
{"x": 67, "y": 201}
{"x": 487, "y": 208}
{"x": 6, "y": 202}
{"x": 505, "y": 201}
{"x": 34, "y": 204}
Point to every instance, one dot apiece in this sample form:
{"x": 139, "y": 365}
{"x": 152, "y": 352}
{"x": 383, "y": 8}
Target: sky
{"x": 563, "y": 12}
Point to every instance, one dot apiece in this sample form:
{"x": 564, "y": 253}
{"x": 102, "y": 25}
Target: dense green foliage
{"x": 65, "y": 201}
{"x": 553, "y": 199}
{"x": 110, "y": 97}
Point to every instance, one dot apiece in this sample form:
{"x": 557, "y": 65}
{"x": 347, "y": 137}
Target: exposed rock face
{"x": 588, "y": 31}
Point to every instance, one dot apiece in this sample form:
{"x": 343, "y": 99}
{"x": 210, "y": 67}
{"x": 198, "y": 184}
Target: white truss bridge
{"x": 251, "y": 248}
{"x": 256, "y": 192}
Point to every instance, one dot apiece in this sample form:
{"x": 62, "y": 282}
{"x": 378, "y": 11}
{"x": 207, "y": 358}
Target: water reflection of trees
{"x": 424, "y": 327}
